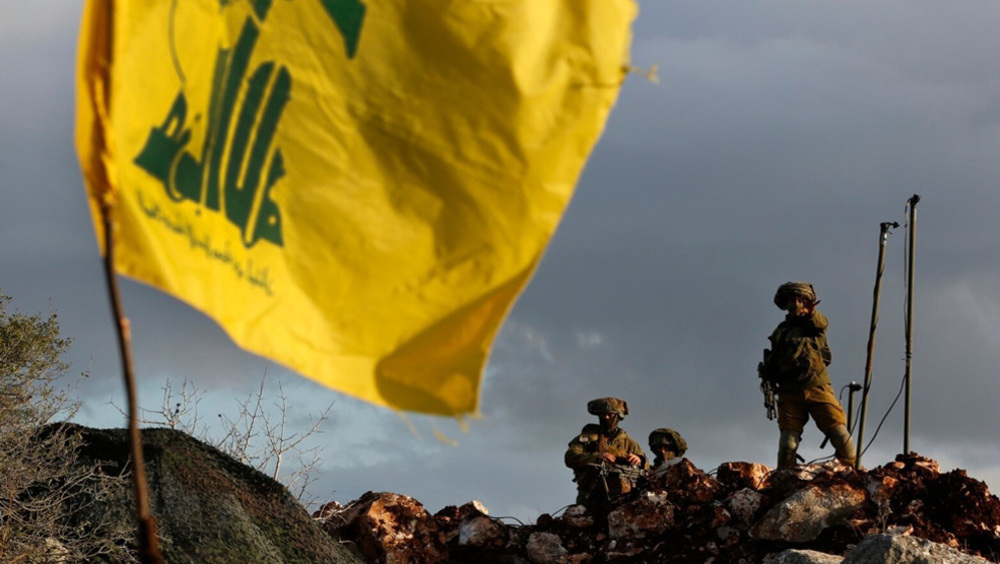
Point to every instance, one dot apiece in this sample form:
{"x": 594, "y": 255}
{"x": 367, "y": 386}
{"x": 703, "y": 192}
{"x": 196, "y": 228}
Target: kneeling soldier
{"x": 604, "y": 459}
{"x": 667, "y": 446}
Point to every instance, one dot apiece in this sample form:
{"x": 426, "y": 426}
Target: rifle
{"x": 620, "y": 470}
{"x": 766, "y": 385}
{"x": 630, "y": 473}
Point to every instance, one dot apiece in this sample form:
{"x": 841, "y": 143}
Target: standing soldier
{"x": 796, "y": 365}
{"x": 604, "y": 459}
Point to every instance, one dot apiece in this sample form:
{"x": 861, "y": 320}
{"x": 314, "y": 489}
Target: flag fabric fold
{"x": 356, "y": 190}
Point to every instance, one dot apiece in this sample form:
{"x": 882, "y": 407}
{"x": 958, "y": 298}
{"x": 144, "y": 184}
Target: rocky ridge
{"x": 905, "y": 511}
{"x": 211, "y": 508}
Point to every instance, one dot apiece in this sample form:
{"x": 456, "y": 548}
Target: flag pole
{"x": 149, "y": 550}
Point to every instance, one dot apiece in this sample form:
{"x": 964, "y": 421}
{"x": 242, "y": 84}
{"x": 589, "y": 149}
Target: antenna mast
{"x": 882, "y": 238}
{"x": 912, "y": 225}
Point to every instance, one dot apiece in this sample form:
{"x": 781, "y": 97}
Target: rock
{"x": 720, "y": 516}
{"x": 544, "y": 521}
{"x": 450, "y": 518}
{"x": 328, "y": 509}
{"x": 925, "y": 466}
{"x": 889, "y": 549}
{"x": 545, "y": 548}
{"x": 577, "y": 517}
{"x": 744, "y": 505}
{"x": 786, "y": 480}
{"x": 804, "y": 515}
{"x": 728, "y": 535}
{"x": 471, "y": 509}
{"x": 881, "y": 487}
{"x": 804, "y": 557}
{"x": 735, "y": 475}
{"x": 685, "y": 482}
{"x": 389, "y": 528}
{"x": 481, "y": 531}
{"x": 649, "y": 515}
{"x": 624, "y": 552}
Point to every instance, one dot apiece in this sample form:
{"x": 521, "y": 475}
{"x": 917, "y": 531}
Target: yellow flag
{"x": 358, "y": 190}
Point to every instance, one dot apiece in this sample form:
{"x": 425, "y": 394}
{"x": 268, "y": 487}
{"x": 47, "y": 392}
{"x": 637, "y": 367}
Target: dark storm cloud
{"x": 778, "y": 138}
{"x": 771, "y": 151}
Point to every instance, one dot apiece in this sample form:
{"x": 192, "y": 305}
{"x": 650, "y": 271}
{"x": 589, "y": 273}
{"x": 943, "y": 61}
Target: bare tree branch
{"x": 256, "y": 435}
{"x": 44, "y": 486}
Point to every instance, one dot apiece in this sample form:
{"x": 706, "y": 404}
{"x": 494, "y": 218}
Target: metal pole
{"x": 882, "y": 238}
{"x": 909, "y": 322}
{"x": 851, "y": 389}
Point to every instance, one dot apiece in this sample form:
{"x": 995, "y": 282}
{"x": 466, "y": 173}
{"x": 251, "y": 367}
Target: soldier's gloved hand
{"x": 633, "y": 459}
{"x": 608, "y": 457}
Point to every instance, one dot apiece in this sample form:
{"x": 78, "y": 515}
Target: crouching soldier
{"x": 667, "y": 446}
{"x": 606, "y": 462}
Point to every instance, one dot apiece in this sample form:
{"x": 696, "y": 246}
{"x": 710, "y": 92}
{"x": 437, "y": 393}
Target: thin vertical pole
{"x": 882, "y": 238}
{"x": 851, "y": 389}
{"x": 149, "y": 550}
{"x": 909, "y": 323}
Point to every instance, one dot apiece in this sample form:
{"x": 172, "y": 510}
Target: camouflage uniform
{"x": 584, "y": 456}
{"x": 797, "y": 366}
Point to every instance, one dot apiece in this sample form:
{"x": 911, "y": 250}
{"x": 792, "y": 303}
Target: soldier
{"x": 796, "y": 365}
{"x": 604, "y": 459}
{"x": 667, "y": 446}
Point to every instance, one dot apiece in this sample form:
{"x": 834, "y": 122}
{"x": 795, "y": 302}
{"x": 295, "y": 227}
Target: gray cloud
{"x": 779, "y": 137}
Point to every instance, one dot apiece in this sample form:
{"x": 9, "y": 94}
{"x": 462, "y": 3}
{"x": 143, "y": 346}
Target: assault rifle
{"x": 766, "y": 385}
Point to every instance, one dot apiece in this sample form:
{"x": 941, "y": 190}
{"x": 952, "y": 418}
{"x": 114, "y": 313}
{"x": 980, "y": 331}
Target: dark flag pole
{"x": 912, "y": 224}
{"x": 882, "y": 238}
{"x": 149, "y": 550}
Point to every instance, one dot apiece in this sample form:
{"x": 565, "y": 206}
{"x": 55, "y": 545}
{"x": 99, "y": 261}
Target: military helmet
{"x": 672, "y": 439}
{"x": 608, "y": 405}
{"x": 789, "y": 289}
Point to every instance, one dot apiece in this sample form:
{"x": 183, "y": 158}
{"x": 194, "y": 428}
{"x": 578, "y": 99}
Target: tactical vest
{"x": 799, "y": 353}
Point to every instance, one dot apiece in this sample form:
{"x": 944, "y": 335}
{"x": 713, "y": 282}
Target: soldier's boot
{"x": 788, "y": 445}
{"x": 843, "y": 444}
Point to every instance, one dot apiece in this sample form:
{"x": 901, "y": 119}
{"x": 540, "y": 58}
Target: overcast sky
{"x": 780, "y": 135}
